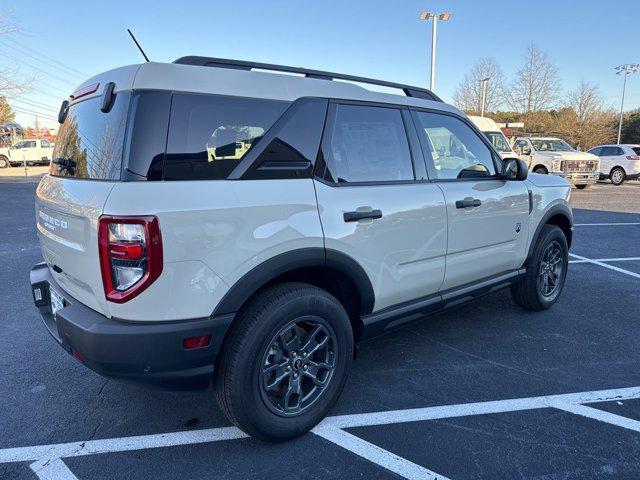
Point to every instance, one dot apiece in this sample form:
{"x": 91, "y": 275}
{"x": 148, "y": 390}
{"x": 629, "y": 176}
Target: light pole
{"x": 483, "y": 101}
{"x": 625, "y": 70}
{"x": 436, "y": 17}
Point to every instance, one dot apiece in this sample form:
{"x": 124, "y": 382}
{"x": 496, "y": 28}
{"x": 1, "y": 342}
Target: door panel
{"x": 490, "y": 238}
{"x": 403, "y": 252}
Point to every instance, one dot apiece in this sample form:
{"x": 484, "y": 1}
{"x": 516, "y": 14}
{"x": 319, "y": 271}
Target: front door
{"x": 375, "y": 204}
{"x": 487, "y": 216}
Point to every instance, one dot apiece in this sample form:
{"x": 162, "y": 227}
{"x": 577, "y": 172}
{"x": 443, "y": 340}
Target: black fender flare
{"x": 286, "y": 262}
{"x": 558, "y": 209}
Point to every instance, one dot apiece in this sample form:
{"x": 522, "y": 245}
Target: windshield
{"x": 550, "y": 145}
{"x": 90, "y": 142}
{"x": 499, "y": 141}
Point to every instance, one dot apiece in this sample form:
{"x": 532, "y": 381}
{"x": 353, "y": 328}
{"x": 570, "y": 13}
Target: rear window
{"x": 90, "y": 142}
{"x": 209, "y": 135}
{"x": 636, "y": 150}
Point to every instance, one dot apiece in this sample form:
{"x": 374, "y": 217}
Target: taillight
{"x": 633, "y": 157}
{"x": 130, "y": 255}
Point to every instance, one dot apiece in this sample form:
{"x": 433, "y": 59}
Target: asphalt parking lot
{"x": 487, "y": 391}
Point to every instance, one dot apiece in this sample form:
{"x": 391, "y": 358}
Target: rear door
{"x": 87, "y": 163}
{"x": 376, "y": 204}
{"x": 487, "y": 216}
{"x": 609, "y": 158}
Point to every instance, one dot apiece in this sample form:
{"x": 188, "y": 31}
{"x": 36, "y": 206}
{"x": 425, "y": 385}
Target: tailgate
{"x": 67, "y": 212}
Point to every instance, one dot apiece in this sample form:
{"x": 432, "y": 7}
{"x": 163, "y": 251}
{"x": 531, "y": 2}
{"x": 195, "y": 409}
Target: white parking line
{"x": 601, "y": 415}
{"x": 377, "y": 455}
{"x": 604, "y": 224}
{"x": 605, "y": 265}
{"x": 48, "y": 463}
{"x": 618, "y": 259}
{"x": 52, "y": 470}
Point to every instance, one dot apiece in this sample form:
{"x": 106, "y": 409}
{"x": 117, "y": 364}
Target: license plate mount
{"x": 57, "y": 300}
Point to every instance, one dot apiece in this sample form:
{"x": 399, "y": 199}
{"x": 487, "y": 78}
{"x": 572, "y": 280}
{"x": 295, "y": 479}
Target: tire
{"x": 541, "y": 170}
{"x": 529, "y": 292}
{"x": 257, "y": 341}
{"x": 583, "y": 187}
{"x": 4, "y": 162}
{"x": 617, "y": 176}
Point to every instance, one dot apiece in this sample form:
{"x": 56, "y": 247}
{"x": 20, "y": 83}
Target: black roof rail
{"x": 408, "y": 90}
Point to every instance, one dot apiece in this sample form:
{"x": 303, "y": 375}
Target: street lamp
{"x": 483, "y": 100}
{"x": 436, "y": 17}
{"x": 625, "y": 70}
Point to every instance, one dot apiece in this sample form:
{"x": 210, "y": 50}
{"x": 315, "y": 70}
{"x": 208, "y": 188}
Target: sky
{"x": 381, "y": 39}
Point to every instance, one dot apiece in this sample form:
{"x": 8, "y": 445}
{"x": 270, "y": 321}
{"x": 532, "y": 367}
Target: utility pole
{"x": 624, "y": 70}
{"x": 436, "y": 16}
{"x": 483, "y": 100}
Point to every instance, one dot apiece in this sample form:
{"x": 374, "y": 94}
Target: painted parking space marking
{"x": 613, "y": 224}
{"x": 47, "y": 460}
{"x": 375, "y": 454}
{"x": 605, "y": 265}
{"x": 617, "y": 259}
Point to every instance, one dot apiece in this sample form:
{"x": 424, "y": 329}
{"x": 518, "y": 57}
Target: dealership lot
{"x": 492, "y": 391}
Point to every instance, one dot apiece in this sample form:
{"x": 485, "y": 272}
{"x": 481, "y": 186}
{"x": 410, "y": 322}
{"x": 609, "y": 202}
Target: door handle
{"x": 355, "y": 216}
{"x": 468, "y": 203}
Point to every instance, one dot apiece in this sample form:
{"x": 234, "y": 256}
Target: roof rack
{"x": 408, "y": 90}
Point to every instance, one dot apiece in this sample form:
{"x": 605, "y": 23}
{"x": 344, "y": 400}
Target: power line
{"x": 34, "y": 113}
{"x": 60, "y": 64}
{"x": 29, "y": 99}
{"x": 70, "y": 82}
{"x": 41, "y": 60}
{"x": 53, "y": 110}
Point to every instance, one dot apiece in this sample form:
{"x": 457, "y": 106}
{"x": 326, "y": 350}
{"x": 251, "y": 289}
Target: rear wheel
{"x": 582, "y": 187}
{"x": 617, "y": 176}
{"x": 546, "y": 271}
{"x": 284, "y": 362}
{"x": 4, "y": 162}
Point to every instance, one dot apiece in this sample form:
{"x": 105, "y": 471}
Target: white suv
{"x": 618, "y": 162}
{"x": 206, "y": 223}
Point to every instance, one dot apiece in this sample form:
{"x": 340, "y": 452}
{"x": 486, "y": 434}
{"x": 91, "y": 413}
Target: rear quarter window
{"x": 90, "y": 142}
{"x": 209, "y": 135}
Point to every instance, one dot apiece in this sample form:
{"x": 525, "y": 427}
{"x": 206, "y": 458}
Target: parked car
{"x": 249, "y": 229}
{"x": 549, "y": 155}
{"x": 31, "y": 152}
{"x": 495, "y": 135}
{"x": 618, "y": 162}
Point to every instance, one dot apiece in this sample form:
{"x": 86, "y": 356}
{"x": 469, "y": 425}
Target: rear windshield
{"x": 499, "y": 141}
{"x": 90, "y": 142}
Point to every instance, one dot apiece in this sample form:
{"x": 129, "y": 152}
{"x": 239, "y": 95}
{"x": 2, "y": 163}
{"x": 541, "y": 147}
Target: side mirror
{"x": 526, "y": 150}
{"x": 514, "y": 169}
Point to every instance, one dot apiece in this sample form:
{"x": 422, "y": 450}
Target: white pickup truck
{"x": 31, "y": 151}
{"x": 555, "y": 156}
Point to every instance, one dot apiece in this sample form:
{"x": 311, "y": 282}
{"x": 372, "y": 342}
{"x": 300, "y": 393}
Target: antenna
{"x": 146, "y": 59}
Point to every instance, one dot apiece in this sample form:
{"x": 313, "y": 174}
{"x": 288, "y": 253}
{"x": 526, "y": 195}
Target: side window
{"x": 521, "y": 144}
{"x": 18, "y": 145}
{"x": 619, "y": 151}
{"x": 45, "y": 143}
{"x": 30, "y": 144}
{"x": 209, "y": 135}
{"x": 608, "y": 151}
{"x": 366, "y": 144}
{"x": 454, "y": 148}
{"x": 595, "y": 151}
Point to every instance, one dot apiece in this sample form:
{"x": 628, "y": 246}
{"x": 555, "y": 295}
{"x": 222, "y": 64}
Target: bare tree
{"x": 536, "y": 85}
{"x": 584, "y": 119}
{"x": 468, "y": 94}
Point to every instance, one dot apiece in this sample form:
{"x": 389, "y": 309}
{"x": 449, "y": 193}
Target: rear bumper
{"x": 143, "y": 352}
{"x": 579, "y": 178}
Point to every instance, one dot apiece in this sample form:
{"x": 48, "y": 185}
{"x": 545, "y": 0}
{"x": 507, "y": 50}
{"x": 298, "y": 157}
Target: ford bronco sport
{"x": 205, "y": 223}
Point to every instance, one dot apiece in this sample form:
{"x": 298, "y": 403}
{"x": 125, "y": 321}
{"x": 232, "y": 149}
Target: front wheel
{"x": 546, "y": 271}
{"x": 284, "y": 362}
{"x": 4, "y": 162}
{"x": 617, "y": 176}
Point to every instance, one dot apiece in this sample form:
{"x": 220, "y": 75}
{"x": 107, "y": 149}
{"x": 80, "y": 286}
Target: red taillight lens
{"x": 192, "y": 343}
{"x": 130, "y": 255}
{"x": 633, "y": 157}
